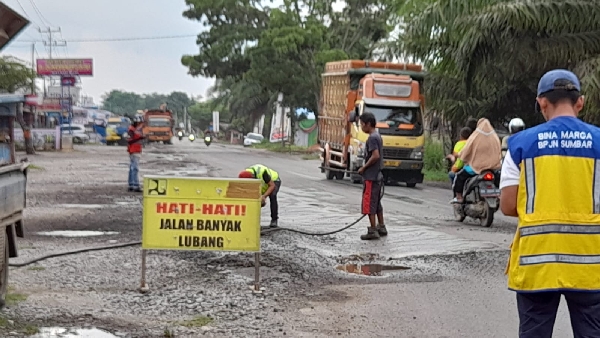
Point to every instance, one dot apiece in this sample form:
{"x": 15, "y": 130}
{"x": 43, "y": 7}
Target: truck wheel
{"x": 411, "y": 185}
{"x": 4, "y": 253}
{"x": 339, "y": 175}
{"x": 329, "y": 174}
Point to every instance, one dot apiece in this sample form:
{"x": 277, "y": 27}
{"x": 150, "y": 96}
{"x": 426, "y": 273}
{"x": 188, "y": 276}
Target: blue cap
{"x": 558, "y": 79}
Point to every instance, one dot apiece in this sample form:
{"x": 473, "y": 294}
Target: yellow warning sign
{"x": 210, "y": 214}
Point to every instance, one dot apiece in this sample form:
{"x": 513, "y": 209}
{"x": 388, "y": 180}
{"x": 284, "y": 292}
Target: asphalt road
{"x": 466, "y": 295}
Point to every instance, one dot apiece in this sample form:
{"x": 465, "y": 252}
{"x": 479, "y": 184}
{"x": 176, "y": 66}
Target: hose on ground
{"x": 66, "y": 253}
{"x": 128, "y": 244}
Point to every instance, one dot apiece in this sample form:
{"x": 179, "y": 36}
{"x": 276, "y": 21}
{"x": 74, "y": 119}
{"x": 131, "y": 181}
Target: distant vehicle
{"x": 158, "y": 126}
{"x": 78, "y": 132}
{"x": 252, "y": 138}
{"x": 117, "y": 127}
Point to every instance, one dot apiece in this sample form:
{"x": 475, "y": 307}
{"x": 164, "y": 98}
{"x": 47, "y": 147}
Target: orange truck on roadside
{"x": 158, "y": 126}
{"x": 393, "y": 93}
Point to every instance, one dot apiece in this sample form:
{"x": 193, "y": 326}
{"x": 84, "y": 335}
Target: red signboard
{"x": 67, "y": 81}
{"x": 65, "y": 67}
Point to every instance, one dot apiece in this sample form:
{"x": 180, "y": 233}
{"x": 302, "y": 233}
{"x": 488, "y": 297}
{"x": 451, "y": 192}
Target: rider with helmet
{"x": 514, "y": 126}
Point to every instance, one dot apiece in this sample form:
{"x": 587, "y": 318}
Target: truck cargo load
{"x": 391, "y": 92}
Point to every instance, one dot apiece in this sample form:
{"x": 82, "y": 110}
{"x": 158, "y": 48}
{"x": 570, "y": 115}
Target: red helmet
{"x": 246, "y": 174}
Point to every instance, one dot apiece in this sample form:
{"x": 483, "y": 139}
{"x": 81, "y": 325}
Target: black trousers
{"x": 460, "y": 180}
{"x": 273, "y": 201}
{"x": 537, "y": 313}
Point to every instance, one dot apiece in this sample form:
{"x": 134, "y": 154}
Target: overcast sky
{"x": 139, "y": 66}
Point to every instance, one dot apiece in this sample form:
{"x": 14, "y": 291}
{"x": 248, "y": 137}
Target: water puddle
{"x": 82, "y": 206}
{"x": 59, "y": 332}
{"x": 369, "y": 269}
{"x": 76, "y": 233}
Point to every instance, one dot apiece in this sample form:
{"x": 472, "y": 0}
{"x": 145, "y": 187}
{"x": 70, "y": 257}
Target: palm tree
{"x": 246, "y": 100}
{"x": 486, "y": 56}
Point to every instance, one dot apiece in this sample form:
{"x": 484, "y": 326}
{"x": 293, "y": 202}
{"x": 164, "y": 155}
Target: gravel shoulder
{"x": 208, "y": 293}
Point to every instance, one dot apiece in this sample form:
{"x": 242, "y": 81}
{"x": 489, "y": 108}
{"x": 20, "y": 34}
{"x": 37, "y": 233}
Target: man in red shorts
{"x": 372, "y": 178}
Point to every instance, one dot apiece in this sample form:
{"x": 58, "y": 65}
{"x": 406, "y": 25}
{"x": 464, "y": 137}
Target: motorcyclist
{"x": 482, "y": 151}
{"x": 514, "y": 126}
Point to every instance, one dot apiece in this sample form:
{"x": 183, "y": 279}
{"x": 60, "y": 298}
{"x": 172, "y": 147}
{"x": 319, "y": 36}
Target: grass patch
{"x": 15, "y": 298}
{"x": 280, "y": 148}
{"x": 36, "y": 268}
{"x": 309, "y": 157}
{"x": 196, "y": 322}
{"x": 436, "y": 176}
{"x": 36, "y": 167}
{"x": 435, "y": 168}
{"x": 9, "y": 325}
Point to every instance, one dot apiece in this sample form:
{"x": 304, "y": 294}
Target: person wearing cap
{"x": 270, "y": 184}
{"x": 134, "y": 148}
{"x": 550, "y": 180}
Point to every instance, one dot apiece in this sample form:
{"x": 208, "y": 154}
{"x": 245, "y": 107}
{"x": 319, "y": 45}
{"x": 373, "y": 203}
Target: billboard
{"x": 57, "y": 92}
{"x": 65, "y": 67}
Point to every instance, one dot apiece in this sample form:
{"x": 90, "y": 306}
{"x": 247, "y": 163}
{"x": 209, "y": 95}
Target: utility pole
{"x": 185, "y": 124}
{"x": 52, "y": 43}
{"x": 33, "y": 66}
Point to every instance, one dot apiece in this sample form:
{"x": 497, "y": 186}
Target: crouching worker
{"x": 270, "y": 184}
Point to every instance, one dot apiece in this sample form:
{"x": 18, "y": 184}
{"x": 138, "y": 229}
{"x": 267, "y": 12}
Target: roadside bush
{"x": 433, "y": 159}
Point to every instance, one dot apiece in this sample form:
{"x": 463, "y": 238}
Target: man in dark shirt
{"x": 372, "y": 178}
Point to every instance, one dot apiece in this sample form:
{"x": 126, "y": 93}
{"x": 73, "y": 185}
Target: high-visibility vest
{"x": 258, "y": 170}
{"x": 557, "y": 244}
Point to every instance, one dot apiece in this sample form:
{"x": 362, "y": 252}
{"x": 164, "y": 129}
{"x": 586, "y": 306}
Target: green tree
{"x": 485, "y": 57}
{"x": 232, "y": 27}
{"x": 15, "y": 75}
{"x": 122, "y": 102}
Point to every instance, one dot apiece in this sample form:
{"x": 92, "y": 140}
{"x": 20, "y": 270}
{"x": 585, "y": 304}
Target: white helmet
{"x": 516, "y": 125}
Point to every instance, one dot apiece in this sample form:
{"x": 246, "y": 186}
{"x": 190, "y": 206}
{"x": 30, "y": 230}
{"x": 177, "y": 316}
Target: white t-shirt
{"x": 509, "y": 176}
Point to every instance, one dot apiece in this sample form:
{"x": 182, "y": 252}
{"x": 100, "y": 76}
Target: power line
{"x": 27, "y": 15}
{"x": 39, "y": 13}
{"x": 128, "y": 39}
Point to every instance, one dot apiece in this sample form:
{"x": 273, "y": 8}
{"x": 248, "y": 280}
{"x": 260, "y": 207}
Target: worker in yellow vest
{"x": 550, "y": 180}
{"x": 270, "y": 184}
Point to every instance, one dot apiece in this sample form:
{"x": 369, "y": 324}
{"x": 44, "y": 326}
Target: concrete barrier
{"x": 67, "y": 143}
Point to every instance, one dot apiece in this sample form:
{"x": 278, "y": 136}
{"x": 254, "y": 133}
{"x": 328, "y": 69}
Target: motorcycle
{"x": 481, "y": 198}
{"x": 207, "y": 140}
{"x": 180, "y": 135}
{"x": 192, "y": 137}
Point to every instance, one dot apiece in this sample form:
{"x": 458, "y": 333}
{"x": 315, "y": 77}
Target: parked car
{"x": 77, "y": 130}
{"x": 252, "y": 138}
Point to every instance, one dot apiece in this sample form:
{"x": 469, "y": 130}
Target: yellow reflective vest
{"x": 557, "y": 244}
{"x": 258, "y": 170}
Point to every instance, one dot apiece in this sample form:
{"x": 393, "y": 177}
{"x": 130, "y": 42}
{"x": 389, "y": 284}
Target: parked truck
{"x": 158, "y": 126}
{"x": 390, "y": 91}
{"x": 13, "y": 176}
{"x": 13, "y": 183}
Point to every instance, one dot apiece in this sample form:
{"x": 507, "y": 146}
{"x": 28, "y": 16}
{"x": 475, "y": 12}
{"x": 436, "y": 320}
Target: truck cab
{"x": 392, "y": 92}
{"x": 158, "y": 126}
{"x": 397, "y": 105}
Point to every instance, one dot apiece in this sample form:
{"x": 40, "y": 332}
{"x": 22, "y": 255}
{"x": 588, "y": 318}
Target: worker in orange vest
{"x": 134, "y": 148}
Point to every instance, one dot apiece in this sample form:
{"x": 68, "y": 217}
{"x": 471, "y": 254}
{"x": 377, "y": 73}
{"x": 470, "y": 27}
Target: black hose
{"x": 66, "y": 253}
{"x": 124, "y": 245}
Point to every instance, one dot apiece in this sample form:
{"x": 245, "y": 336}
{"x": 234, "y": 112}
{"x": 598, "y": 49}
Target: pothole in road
{"x": 369, "y": 269}
{"x": 59, "y": 332}
{"x": 76, "y": 233}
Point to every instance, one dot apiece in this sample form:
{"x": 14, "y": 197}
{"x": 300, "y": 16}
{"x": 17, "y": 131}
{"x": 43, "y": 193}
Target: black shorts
{"x": 371, "y": 201}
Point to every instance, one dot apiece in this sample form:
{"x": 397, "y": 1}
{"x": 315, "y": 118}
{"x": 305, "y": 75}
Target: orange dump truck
{"x": 393, "y": 93}
{"x": 158, "y": 126}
